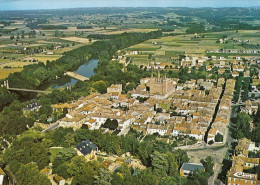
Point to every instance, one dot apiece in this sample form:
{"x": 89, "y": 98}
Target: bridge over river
{"x": 6, "y": 84}
{"x": 76, "y": 76}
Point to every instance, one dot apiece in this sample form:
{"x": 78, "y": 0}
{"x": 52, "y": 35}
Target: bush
{"x": 111, "y": 124}
{"x": 219, "y": 138}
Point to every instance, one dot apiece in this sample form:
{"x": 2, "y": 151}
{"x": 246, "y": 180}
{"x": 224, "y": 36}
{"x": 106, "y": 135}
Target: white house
{"x": 160, "y": 129}
{"x": 196, "y": 134}
{"x": 2, "y": 176}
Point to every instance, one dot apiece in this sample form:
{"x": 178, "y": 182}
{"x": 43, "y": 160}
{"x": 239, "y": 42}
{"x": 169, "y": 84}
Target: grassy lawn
{"x": 4, "y": 72}
{"x": 44, "y": 58}
{"x": 55, "y": 151}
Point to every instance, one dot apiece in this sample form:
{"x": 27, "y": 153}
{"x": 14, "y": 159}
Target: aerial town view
{"x": 129, "y": 92}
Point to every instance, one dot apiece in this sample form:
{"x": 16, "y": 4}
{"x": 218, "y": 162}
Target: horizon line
{"x": 131, "y": 7}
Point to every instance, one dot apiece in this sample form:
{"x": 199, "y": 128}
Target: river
{"x": 86, "y": 69}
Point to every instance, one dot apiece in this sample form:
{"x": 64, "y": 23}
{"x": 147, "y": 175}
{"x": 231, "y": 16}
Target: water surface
{"x": 86, "y": 70}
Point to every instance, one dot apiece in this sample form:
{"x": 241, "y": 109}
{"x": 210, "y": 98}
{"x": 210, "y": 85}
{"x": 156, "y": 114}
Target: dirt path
{"x": 218, "y": 153}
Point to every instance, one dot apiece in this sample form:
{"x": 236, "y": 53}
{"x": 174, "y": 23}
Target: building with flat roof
{"x": 189, "y": 168}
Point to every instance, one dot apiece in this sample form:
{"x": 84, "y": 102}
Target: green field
{"x": 174, "y": 46}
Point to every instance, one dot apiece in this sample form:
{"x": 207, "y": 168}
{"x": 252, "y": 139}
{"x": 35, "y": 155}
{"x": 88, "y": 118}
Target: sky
{"x": 57, "y": 4}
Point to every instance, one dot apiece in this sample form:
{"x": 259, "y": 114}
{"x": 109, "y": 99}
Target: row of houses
{"x": 194, "y": 109}
{"x": 251, "y": 106}
{"x": 241, "y": 162}
{"x": 251, "y": 51}
{"x": 220, "y": 124}
{"x": 184, "y": 108}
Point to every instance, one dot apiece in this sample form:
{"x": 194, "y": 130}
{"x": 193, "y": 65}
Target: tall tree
{"x": 29, "y": 174}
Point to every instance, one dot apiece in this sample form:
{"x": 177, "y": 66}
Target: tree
{"x": 181, "y": 157}
{"x": 32, "y": 34}
{"x": 159, "y": 163}
{"x": 243, "y": 125}
{"x": 59, "y": 136}
{"x": 45, "y": 109}
{"x": 144, "y": 150}
{"x": 125, "y": 171}
{"x": 173, "y": 165}
{"x": 13, "y": 121}
{"x": 100, "y": 86}
{"x": 161, "y": 146}
{"x": 208, "y": 165}
{"x": 219, "y": 137}
{"x": 28, "y": 148}
{"x": 226, "y": 165}
{"x": 117, "y": 179}
{"x": 257, "y": 116}
{"x": 43, "y": 118}
{"x": 159, "y": 110}
{"x": 76, "y": 165}
{"x": 130, "y": 143}
{"x": 197, "y": 178}
{"x": 103, "y": 177}
{"x": 61, "y": 170}
{"x": 195, "y": 28}
{"x": 169, "y": 180}
{"x": 147, "y": 177}
{"x": 111, "y": 124}
{"x": 83, "y": 172}
{"x": 29, "y": 174}
{"x": 61, "y": 162}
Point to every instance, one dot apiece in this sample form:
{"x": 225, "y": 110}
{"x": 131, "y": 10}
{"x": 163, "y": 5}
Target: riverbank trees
{"x": 35, "y": 75}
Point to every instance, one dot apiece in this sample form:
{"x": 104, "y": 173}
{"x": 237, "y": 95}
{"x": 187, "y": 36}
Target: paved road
{"x": 216, "y": 151}
{"x": 51, "y": 127}
{"x": 124, "y": 131}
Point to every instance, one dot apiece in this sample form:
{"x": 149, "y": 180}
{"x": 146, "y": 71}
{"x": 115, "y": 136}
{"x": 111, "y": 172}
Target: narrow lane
{"x": 215, "y": 113}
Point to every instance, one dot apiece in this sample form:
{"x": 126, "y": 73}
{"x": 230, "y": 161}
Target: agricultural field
{"x": 166, "y": 48}
{"x": 77, "y": 39}
{"x": 4, "y": 72}
{"x": 25, "y": 49}
{"x": 111, "y": 32}
{"x": 24, "y": 41}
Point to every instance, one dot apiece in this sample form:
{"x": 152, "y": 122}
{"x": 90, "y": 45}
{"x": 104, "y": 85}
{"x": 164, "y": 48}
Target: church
{"x": 160, "y": 85}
